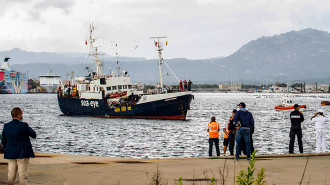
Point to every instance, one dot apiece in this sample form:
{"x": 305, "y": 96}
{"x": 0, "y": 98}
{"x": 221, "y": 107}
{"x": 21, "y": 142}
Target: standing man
{"x": 18, "y": 149}
{"x": 296, "y": 118}
{"x": 229, "y": 136}
{"x": 319, "y": 119}
{"x": 189, "y": 85}
{"x": 180, "y": 86}
{"x": 213, "y": 130}
{"x": 226, "y": 137}
{"x": 244, "y": 122}
{"x": 185, "y": 85}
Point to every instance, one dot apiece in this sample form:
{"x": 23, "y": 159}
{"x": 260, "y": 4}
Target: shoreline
{"x": 56, "y": 169}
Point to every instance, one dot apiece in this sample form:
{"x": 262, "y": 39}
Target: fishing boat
{"x": 115, "y": 96}
{"x": 288, "y": 103}
{"x": 325, "y": 103}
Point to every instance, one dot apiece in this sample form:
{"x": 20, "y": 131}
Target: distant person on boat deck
{"x": 296, "y": 118}
{"x": 319, "y": 119}
{"x": 185, "y": 85}
{"x": 189, "y": 85}
{"x": 213, "y": 130}
{"x": 244, "y": 122}
{"x": 180, "y": 86}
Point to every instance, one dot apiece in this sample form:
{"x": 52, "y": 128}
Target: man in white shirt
{"x": 319, "y": 119}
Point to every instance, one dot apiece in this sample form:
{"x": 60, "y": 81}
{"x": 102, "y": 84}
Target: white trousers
{"x": 320, "y": 140}
{"x": 20, "y": 165}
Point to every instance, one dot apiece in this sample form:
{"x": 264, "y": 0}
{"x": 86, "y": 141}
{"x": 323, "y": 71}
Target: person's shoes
{"x": 236, "y": 159}
{"x": 248, "y": 158}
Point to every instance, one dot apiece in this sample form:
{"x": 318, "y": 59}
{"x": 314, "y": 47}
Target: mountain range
{"x": 295, "y": 56}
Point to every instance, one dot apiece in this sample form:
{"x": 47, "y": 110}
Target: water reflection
{"x": 139, "y": 138}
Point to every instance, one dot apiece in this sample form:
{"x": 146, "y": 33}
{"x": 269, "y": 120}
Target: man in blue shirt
{"x": 244, "y": 122}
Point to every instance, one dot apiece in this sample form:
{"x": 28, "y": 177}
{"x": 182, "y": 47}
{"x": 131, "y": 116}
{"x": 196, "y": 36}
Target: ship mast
{"x": 93, "y": 52}
{"x": 160, "y": 47}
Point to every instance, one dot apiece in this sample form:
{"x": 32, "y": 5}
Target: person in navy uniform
{"x": 232, "y": 128}
{"x": 296, "y": 118}
{"x": 18, "y": 149}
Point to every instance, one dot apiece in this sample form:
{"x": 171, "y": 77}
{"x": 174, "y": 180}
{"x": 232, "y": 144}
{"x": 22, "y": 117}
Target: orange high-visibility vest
{"x": 231, "y": 118}
{"x": 213, "y": 130}
{"x": 226, "y": 127}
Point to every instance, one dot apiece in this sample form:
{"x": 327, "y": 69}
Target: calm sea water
{"x": 139, "y": 138}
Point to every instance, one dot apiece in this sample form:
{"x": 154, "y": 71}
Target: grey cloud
{"x": 17, "y": 1}
{"x": 65, "y": 5}
{"x": 39, "y": 7}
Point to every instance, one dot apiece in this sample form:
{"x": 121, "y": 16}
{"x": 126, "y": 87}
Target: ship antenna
{"x": 160, "y": 47}
{"x": 94, "y": 53}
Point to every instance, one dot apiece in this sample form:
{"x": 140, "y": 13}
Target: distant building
{"x": 279, "y": 89}
{"x": 230, "y": 86}
{"x": 324, "y": 88}
{"x": 320, "y": 88}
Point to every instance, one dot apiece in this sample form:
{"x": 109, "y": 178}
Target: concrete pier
{"x": 60, "y": 169}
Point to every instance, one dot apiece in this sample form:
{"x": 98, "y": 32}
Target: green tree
{"x": 247, "y": 178}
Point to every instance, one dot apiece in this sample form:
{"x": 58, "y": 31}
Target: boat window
{"x": 129, "y": 86}
{"x": 102, "y": 81}
{"x": 124, "y": 86}
{"x": 120, "y": 86}
{"x": 108, "y": 88}
{"x": 114, "y": 87}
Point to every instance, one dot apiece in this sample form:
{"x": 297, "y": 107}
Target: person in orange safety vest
{"x": 225, "y": 137}
{"x": 213, "y": 130}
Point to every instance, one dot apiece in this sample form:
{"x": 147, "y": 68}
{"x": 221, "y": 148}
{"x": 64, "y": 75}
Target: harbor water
{"x": 141, "y": 138}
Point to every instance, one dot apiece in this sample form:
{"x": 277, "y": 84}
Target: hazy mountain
{"x": 290, "y": 57}
{"x": 294, "y": 55}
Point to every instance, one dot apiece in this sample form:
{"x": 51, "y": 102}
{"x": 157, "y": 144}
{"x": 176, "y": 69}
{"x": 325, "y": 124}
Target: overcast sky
{"x": 196, "y": 29}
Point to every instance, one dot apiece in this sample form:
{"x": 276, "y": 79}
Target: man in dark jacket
{"x": 244, "y": 121}
{"x": 232, "y": 129}
{"x": 18, "y": 149}
{"x": 296, "y": 118}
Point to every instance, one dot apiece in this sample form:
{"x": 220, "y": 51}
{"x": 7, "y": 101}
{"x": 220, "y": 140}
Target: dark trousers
{"x": 216, "y": 143}
{"x": 293, "y": 133}
{"x": 251, "y": 143}
{"x": 231, "y": 142}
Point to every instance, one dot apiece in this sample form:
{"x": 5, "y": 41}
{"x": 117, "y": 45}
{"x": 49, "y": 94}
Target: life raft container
{"x": 117, "y": 95}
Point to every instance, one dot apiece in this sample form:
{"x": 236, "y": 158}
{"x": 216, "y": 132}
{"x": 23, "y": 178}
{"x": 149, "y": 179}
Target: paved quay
{"x": 61, "y": 169}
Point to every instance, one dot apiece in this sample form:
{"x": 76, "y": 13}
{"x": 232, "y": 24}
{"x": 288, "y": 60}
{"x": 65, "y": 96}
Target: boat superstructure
{"x": 114, "y": 95}
{"x": 287, "y": 103}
